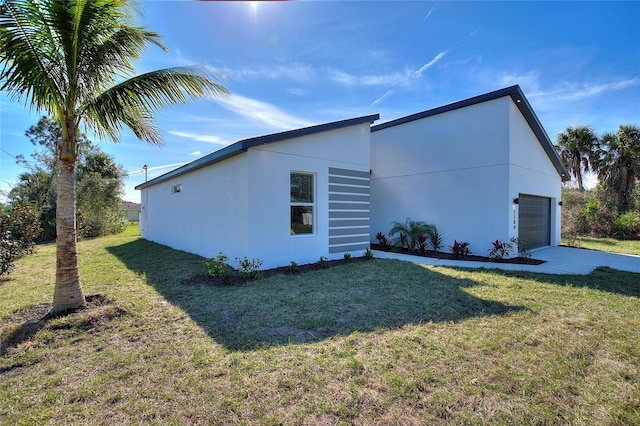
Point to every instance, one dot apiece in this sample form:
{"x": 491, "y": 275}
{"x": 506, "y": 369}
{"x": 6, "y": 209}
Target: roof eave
{"x": 243, "y": 145}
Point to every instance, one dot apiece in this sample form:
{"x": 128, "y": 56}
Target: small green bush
{"x": 627, "y": 225}
{"x": 368, "y": 254}
{"x": 293, "y": 267}
{"x": 249, "y": 269}
{"x": 322, "y": 263}
{"x": 523, "y": 247}
{"x": 217, "y": 267}
{"x": 347, "y": 257}
{"x": 19, "y": 229}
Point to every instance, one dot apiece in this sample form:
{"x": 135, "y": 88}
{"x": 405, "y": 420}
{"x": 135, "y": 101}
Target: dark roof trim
{"x": 243, "y": 145}
{"x": 521, "y": 102}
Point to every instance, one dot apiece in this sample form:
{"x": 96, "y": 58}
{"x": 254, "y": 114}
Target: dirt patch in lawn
{"x": 20, "y": 325}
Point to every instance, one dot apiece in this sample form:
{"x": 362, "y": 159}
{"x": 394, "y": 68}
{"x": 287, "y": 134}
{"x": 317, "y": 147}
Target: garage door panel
{"x": 534, "y": 220}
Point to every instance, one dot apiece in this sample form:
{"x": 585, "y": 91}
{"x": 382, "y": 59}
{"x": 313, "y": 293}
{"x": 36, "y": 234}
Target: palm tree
{"x": 412, "y": 233}
{"x": 618, "y": 163}
{"x": 576, "y": 146}
{"x": 75, "y": 59}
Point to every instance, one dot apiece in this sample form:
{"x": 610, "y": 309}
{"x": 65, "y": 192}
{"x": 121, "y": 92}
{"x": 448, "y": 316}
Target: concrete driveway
{"x": 558, "y": 260}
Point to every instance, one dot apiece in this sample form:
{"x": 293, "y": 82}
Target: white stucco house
{"x": 480, "y": 169}
{"x": 290, "y": 196}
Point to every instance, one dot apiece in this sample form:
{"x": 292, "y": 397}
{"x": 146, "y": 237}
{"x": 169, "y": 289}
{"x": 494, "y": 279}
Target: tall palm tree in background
{"x": 618, "y": 163}
{"x": 75, "y": 59}
{"x": 576, "y": 147}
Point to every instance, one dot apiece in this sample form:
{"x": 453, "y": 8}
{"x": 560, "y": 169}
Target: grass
{"x": 378, "y": 342}
{"x": 604, "y": 244}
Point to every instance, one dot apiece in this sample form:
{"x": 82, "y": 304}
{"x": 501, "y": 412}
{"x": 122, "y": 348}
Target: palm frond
{"x": 133, "y": 101}
{"x": 30, "y": 59}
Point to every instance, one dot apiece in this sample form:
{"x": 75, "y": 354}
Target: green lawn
{"x": 377, "y": 342}
{"x": 604, "y": 244}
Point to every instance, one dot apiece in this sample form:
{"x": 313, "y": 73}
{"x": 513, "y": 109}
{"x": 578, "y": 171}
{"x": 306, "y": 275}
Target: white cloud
{"x": 262, "y": 112}
{"x": 381, "y": 98}
{"x": 572, "y": 92}
{"x": 199, "y": 137}
{"x": 297, "y": 71}
{"x": 528, "y": 81}
{"x": 342, "y": 77}
{"x": 297, "y": 92}
{"x": 431, "y": 63}
{"x": 430, "y": 12}
{"x": 195, "y": 154}
{"x": 153, "y": 171}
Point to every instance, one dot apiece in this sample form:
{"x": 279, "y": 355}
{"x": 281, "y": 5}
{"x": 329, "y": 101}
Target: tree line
{"x": 30, "y": 213}
{"x": 612, "y": 208}
{"x": 75, "y": 61}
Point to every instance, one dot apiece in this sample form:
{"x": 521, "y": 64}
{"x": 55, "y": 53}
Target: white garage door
{"x": 534, "y": 220}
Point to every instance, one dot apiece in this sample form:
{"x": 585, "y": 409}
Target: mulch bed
{"x": 472, "y": 257}
{"x": 238, "y": 279}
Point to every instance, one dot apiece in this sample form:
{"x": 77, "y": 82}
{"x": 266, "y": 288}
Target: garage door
{"x": 534, "y": 220}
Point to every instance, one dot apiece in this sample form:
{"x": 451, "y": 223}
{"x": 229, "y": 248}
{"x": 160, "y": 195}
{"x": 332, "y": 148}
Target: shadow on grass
{"x": 602, "y": 278}
{"x": 318, "y": 305}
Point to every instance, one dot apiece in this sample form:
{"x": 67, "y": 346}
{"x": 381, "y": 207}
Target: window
{"x": 176, "y": 188}
{"x": 302, "y": 203}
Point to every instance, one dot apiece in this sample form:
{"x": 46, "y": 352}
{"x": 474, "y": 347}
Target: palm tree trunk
{"x": 68, "y": 292}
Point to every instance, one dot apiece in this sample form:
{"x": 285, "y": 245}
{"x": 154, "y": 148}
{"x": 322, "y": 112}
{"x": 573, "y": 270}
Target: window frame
{"x": 311, "y": 204}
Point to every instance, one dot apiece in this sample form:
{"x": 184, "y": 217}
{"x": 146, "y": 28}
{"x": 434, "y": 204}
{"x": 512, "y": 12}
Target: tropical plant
{"x": 436, "y": 241}
{"x": 500, "y": 250}
{"x": 618, "y": 163}
{"x": 75, "y": 59}
{"x": 460, "y": 249}
{"x": 382, "y": 239}
{"x": 627, "y": 225}
{"x": 576, "y": 146}
{"x": 411, "y": 232}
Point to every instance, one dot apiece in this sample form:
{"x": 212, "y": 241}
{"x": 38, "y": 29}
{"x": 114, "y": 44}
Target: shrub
{"x": 422, "y": 243}
{"x": 382, "y": 239}
{"x": 627, "y": 225}
{"x": 410, "y": 232}
{"x": 522, "y": 246}
{"x": 500, "y": 250}
{"x": 249, "y": 269}
{"x": 347, "y": 257}
{"x": 368, "y": 254}
{"x": 19, "y": 229}
{"x": 293, "y": 267}
{"x": 436, "y": 240}
{"x": 217, "y": 267}
{"x": 460, "y": 249}
{"x": 322, "y": 263}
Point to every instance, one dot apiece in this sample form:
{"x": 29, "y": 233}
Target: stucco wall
{"x": 269, "y": 168}
{"x": 456, "y": 170}
{"x": 209, "y": 214}
{"x": 531, "y": 172}
{"x": 241, "y": 206}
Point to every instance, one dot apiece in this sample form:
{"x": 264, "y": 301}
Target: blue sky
{"x": 293, "y": 64}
